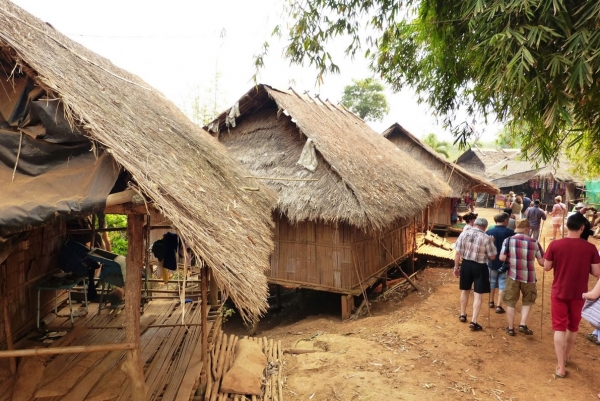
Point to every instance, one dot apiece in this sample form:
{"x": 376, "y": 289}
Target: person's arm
{"x": 548, "y": 264}
{"x": 595, "y": 270}
{"x": 491, "y": 248}
{"x": 502, "y": 255}
{"x": 594, "y": 293}
{"x": 539, "y": 255}
{"x": 457, "y": 264}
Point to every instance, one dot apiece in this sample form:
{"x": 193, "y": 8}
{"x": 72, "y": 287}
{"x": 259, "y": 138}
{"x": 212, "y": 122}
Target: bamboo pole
{"x": 133, "y": 288}
{"x": 204, "y": 319}
{"x": 74, "y": 349}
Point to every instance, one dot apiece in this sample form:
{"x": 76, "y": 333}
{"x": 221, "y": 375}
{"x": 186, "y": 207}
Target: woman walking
{"x": 516, "y": 207}
{"x": 558, "y": 212}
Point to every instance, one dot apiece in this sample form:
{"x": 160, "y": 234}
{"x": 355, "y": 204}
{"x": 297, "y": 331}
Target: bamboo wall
{"x": 29, "y": 263}
{"x": 327, "y": 257}
{"x": 441, "y": 211}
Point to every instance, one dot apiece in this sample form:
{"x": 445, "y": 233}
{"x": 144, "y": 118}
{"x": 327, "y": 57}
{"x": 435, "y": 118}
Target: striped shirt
{"x": 522, "y": 251}
{"x": 475, "y": 245}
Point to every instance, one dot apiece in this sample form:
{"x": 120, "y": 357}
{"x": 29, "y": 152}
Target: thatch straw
{"x": 459, "y": 179}
{"x": 189, "y": 176}
{"x": 362, "y": 178}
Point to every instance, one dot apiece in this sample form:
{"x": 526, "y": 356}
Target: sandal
{"x": 475, "y": 326}
{"x": 525, "y": 330}
{"x": 463, "y": 318}
{"x": 510, "y": 332}
{"x": 500, "y": 310}
{"x": 558, "y": 375}
{"x": 491, "y": 304}
{"x": 591, "y": 337}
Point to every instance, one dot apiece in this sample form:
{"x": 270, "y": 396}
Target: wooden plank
{"x": 30, "y": 372}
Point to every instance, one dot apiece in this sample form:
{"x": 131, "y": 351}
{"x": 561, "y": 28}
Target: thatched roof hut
{"x": 359, "y": 178}
{"x": 188, "y": 176}
{"x": 348, "y": 198}
{"x": 460, "y": 180}
{"x": 480, "y": 160}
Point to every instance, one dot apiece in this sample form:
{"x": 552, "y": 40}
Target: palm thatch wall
{"x": 350, "y": 218}
{"x": 190, "y": 178}
{"x": 460, "y": 180}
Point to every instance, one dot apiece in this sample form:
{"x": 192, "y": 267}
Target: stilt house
{"x": 348, "y": 198}
{"x": 75, "y": 130}
{"x": 460, "y": 180}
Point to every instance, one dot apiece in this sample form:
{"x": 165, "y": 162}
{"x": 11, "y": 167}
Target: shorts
{"x": 515, "y": 288}
{"x": 557, "y": 221}
{"x": 476, "y": 275}
{"x": 566, "y": 314}
{"x": 497, "y": 280}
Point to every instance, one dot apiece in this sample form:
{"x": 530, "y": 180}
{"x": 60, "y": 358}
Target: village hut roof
{"x": 190, "y": 178}
{"x": 459, "y": 179}
{"x": 360, "y": 177}
{"x": 507, "y": 167}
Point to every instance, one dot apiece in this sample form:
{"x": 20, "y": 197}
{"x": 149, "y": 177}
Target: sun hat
{"x": 580, "y": 205}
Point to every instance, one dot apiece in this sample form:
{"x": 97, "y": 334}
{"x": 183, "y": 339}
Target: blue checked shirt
{"x": 522, "y": 251}
{"x": 475, "y": 245}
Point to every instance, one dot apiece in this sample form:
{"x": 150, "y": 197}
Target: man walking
{"x": 498, "y": 280}
{"x": 475, "y": 248}
{"x": 521, "y": 252}
{"x": 535, "y": 215}
{"x": 572, "y": 259}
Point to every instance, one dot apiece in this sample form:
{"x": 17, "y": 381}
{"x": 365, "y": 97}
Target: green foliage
{"x": 509, "y": 139}
{"x": 365, "y": 98}
{"x": 532, "y": 62}
{"x": 442, "y": 147}
{"x": 118, "y": 239}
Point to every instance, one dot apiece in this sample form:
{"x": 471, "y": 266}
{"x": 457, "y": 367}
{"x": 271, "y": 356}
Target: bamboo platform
{"x": 171, "y": 354}
{"x": 432, "y": 246}
{"x": 221, "y": 359}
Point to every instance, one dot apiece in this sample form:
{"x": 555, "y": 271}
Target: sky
{"x": 179, "y": 47}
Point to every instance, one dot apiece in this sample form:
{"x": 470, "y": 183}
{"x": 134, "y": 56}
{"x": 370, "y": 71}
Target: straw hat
{"x": 522, "y": 226}
{"x": 580, "y": 205}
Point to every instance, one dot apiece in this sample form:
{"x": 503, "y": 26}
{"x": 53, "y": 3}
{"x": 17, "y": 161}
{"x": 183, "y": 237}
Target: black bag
{"x": 504, "y": 268}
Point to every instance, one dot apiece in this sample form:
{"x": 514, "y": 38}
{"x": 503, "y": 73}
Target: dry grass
{"x": 190, "y": 178}
{"x": 459, "y": 179}
{"x": 362, "y": 179}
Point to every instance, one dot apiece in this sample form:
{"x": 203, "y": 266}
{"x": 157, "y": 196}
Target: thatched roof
{"x": 360, "y": 178}
{"x": 459, "y": 179}
{"x": 506, "y": 168}
{"x": 190, "y": 178}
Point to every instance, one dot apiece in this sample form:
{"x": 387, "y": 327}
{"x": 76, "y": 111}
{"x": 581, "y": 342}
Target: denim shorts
{"x": 497, "y": 280}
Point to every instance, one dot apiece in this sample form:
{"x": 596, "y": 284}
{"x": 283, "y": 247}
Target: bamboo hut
{"x": 460, "y": 180}
{"x": 348, "y": 199}
{"x": 508, "y": 170}
{"x": 78, "y": 136}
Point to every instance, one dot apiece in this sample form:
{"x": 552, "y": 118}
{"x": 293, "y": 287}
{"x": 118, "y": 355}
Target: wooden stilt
{"x": 347, "y": 304}
{"x": 8, "y": 333}
{"x": 133, "y": 290}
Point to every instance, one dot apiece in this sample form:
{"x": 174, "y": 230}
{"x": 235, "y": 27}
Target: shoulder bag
{"x": 591, "y": 312}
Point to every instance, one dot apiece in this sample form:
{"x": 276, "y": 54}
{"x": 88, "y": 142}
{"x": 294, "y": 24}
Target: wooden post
{"x": 213, "y": 294}
{"x": 7, "y": 331}
{"x": 347, "y": 305}
{"x": 133, "y": 292}
{"x": 204, "y": 376}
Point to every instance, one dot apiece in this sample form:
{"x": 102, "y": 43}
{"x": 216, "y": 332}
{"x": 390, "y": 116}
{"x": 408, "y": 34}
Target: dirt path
{"x": 414, "y": 348}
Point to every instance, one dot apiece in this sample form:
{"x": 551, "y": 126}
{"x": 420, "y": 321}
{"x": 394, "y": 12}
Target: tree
{"x": 532, "y": 63}
{"x": 365, "y": 98}
{"x": 508, "y": 139}
{"x": 442, "y": 147}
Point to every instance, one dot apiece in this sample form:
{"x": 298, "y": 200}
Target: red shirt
{"x": 572, "y": 262}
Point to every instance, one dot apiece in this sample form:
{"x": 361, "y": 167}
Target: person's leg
{"x": 570, "y": 338}
{"x": 476, "y": 306}
{"x": 525, "y": 309}
{"x": 464, "y": 300}
{"x": 510, "y": 316}
{"x": 554, "y": 230}
{"x": 559, "y": 348}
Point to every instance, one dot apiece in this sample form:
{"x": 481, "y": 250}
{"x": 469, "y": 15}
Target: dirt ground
{"x": 413, "y": 347}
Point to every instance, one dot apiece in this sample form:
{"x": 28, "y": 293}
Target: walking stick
{"x": 542, "y": 311}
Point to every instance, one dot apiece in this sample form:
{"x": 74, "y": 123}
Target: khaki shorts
{"x": 515, "y": 288}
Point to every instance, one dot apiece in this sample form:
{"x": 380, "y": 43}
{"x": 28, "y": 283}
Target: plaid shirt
{"x": 522, "y": 251}
{"x": 535, "y": 215}
{"x": 475, "y": 245}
